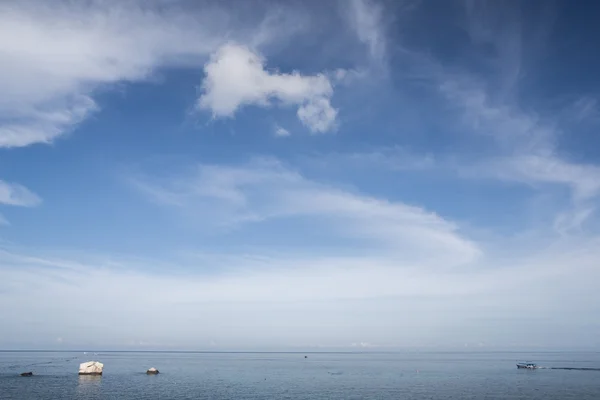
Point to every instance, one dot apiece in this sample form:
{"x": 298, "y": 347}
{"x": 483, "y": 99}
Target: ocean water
{"x": 410, "y": 375}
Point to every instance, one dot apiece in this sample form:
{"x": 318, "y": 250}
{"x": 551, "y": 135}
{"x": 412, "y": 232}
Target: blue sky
{"x": 361, "y": 173}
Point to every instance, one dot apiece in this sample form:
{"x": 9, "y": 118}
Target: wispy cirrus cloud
{"x": 582, "y": 179}
{"x": 539, "y": 171}
{"x": 45, "y": 123}
{"x": 529, "y": 151}
{"x": 503, "y": 122}
{"x": 366, "y": 19}
{"x": 13, "y": 194}
{"x": 488, "y": 103}
{"x": 483, "y": 96}
{"x": 265, "y": 190}
{"x": 499, "y": 27}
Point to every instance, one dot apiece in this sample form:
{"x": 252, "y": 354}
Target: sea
{"x": 306, "y": 375}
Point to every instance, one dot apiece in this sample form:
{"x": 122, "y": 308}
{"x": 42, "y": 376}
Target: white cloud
{"x": 584, "y": 180}
{"x": 487, "y": 102}
{"x": 14, "y": 194}
{"x": 281, "y": 132}
{"x": 246, "y": 300}
{"x": 236, "y": 77}
{"x": 265, "y": 190}
{"x": 528, "y": 142}
{"x": 420, "y": 278}
{"x": 540, "y": 171}
{"x": 516, "y": 131}
{"x": 43, "y": 126}
{"x": 572, "y": 220}
{"x": 366, "y": 18}
{"x": 54, "y": 56}
{"x": 318, "y": 115}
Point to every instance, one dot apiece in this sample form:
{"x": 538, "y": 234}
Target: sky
{"x": 352, "y": 174}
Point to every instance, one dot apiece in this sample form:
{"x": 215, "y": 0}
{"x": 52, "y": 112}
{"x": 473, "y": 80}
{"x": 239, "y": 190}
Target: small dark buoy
{"x": 27, "y": 374}
{"x": 152, "y": 371}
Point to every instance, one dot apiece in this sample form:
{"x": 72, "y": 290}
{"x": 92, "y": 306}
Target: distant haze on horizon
{"x": 352, "y": 175}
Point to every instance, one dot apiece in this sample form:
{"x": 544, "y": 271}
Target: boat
{"x": 527, "y": 365}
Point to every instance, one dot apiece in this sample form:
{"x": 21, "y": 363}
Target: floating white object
{"x": 152, "y": 371}
{"x": 91, "y": 368}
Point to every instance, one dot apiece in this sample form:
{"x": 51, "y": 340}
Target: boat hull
{"x": 526, "y": 366}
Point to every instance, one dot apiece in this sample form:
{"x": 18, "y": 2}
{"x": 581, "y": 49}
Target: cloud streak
{"x": 13, "y": 194}
{"x": 281, "y": 132}
{"x": 266, "y": 190}
{"x": 528, "y": 148}
{"x": 583, "y": 180}
{"x": 366, "y": 19}
{"x": 489, "y": 104}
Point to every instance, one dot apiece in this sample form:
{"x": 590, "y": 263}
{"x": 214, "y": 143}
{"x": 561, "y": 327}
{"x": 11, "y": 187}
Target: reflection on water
{"x": 89, "y": 385}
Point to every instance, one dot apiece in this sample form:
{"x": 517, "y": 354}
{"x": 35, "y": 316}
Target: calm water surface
{"x": 426, "y": 375}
